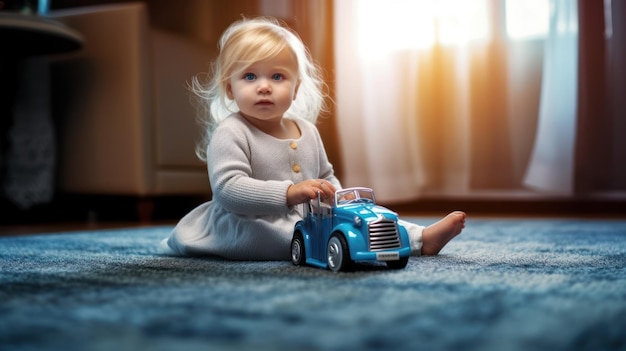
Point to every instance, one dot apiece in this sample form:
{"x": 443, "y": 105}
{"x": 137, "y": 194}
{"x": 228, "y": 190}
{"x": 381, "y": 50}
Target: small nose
{"x": 264, "y": 87}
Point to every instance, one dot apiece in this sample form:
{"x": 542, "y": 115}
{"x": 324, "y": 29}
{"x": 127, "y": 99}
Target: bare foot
{"x": 437, "y": 235}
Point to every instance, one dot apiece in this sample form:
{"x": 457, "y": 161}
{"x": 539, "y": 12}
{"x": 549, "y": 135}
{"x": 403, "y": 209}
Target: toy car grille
{"x": 383, "y": 235}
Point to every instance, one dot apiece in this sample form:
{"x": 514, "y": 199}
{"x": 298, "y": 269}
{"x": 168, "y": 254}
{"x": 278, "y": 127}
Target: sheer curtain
{"x": 580, "y": 149}
{"x": 552, "y": 164}
{"x": 432, "y": 97}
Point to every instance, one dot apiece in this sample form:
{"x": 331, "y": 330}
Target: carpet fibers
{"x": 501, "y": 285}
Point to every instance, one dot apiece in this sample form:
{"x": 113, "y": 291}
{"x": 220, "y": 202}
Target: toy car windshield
{"x": 354, "y": 195}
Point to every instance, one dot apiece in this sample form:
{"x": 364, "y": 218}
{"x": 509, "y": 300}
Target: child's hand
{"x": 308, "y": 189}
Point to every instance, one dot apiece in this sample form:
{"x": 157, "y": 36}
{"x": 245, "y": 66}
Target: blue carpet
{"x": 501, "y": 285}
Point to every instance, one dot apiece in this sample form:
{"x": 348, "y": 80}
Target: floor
{"x": 76, "y": 213}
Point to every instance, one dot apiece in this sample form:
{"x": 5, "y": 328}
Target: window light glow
{"x": 527, "y": 19}
{"x": 415, "y": 24}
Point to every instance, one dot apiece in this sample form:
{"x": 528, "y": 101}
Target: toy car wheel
{"x": 297, "y": 249}
{"x": 400, "y": 264}
{"x": 338, "y": 255}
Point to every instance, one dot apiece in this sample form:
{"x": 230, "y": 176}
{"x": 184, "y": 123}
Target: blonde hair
{"x": 245, "y": 42}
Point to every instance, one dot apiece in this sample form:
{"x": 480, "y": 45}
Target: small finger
{"x": 328, "y": 186}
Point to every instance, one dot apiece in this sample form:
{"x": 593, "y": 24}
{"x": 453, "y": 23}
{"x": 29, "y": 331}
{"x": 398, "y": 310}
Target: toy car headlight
{"x": 357, "y": 221}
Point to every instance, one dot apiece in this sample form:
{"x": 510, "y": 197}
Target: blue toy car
{"x": 351, "y": 228}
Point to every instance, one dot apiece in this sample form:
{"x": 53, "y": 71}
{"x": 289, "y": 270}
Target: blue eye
{"x": 249, "y": 76}
{"x": 277, "y": 76}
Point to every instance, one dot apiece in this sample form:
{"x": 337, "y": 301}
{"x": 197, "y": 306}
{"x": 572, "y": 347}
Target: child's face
{"x": 265, "y": 90}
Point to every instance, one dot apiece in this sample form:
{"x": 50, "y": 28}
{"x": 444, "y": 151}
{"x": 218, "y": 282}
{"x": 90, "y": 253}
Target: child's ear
{"x": 229, "y": 91}
{"x": 295, "y": 92}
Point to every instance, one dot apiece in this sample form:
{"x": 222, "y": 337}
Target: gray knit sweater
{"x": 250, "y": 171}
